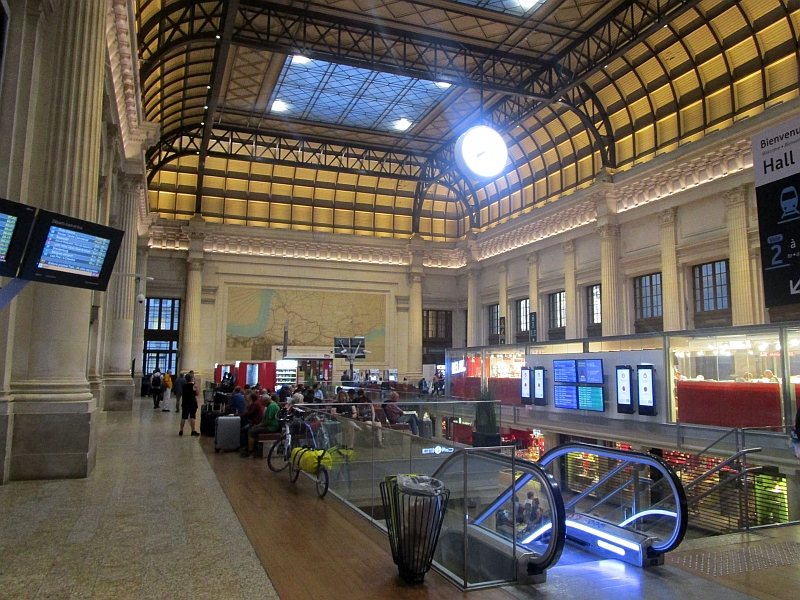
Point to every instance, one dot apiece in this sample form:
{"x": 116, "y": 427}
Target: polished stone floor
{"x": 150, "y": 522}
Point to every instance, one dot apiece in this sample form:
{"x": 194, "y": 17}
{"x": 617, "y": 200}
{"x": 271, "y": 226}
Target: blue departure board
{"x": 590, "y": 370}
{"x": 565, "y": 371}
{"x": 7, "y": 225}
{"x": 73, "y": 252}
{"x": 565, "y": 396}
{"x": 591, "y": 398}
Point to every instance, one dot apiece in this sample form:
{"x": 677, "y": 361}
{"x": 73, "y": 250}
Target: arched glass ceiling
{"x": 704, "y": 65}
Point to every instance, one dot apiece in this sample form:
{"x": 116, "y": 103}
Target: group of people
{"x": 436, "y": 386}
{"x": 184, "y": 388}
{"x": 258, "y": 409}
{"x": 526, "y": 517}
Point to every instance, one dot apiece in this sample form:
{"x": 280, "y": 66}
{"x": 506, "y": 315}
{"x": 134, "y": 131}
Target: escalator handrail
{"x": 666, "y": 470}
{"x": 558, "y": 513}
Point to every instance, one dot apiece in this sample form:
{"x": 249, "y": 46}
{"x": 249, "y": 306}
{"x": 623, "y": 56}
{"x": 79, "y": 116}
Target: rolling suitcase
{"x": 227, "y": 433}
{"x": 207, "y": 421}
{"x": 425, "y": 428}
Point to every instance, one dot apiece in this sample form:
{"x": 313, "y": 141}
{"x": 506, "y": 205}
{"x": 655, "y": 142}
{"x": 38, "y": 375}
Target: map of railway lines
{"x": 256, "y": 317}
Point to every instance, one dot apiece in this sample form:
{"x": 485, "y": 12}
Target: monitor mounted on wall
{"x": 16, "y": 221}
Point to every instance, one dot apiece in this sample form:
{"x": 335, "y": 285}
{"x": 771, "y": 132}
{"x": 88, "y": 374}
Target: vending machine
{"x": 251, "y": 373}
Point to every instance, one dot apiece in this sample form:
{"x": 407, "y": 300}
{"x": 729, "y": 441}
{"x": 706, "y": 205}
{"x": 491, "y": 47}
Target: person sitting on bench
{"x": 395, "y": 414}
{"x": 269, "y": 424}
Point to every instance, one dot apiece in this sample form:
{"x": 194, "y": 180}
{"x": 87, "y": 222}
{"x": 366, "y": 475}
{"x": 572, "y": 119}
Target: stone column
{"x": 533, "y": 290}
{"x": 571, "y": 290}
{"x": 502, "y": 287}
{"x": 55, "y": 413}
{"x": 119, "y": 386}
{"x": 137, "y": 347}
{"x": 191, "y": 343}
{"x": 473, "y": 306}
{"x": 670, "y": 287}
{"x": 609, "y": 278}
{"x": 739, "y": 257}
{"x": 758, "y": 285}
{"x": 415, "y": 326}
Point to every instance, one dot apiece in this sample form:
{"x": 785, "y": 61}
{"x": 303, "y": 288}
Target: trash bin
{"x": 414, "y": 506}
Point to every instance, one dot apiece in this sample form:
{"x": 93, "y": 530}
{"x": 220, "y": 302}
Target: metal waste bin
{"x": 414, "y": 506}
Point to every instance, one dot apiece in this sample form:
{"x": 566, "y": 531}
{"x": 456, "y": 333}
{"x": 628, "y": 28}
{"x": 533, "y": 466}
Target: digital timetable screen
{"x": 538, "y": 386}
{"x": 565, "y": 371}
{"x": 624, "y": 390}
{"x": 591, "y": 398}
{"x": 72, "y": 252}
{"x": 16, "y": 220}
{"x": 590, "y": 370}
{"x": 525, "y": 385}
{"x": 565, "y": 396}
{"x": 646, "y": 389}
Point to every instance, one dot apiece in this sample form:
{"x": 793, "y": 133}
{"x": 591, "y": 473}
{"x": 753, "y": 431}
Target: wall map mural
{"x": 256, "y": 316}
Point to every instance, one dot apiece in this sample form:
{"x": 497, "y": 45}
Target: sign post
{"x": 776, "y": 163}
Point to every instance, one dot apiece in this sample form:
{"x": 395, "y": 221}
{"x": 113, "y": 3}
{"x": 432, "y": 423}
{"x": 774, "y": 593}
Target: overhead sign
{"x": 776, "y": 162}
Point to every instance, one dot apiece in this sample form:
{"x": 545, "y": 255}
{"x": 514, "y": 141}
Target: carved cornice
{"x": 137, "y": 134}
{"x": 734, "y": 156}
{"x": 569, "y": 217}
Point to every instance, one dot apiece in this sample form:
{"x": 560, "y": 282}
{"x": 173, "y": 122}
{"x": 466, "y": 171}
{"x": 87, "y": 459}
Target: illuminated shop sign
{"x": 438, "y": 450}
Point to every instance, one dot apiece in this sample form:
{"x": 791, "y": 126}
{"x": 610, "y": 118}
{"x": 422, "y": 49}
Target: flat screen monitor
{"x": 624, "y": 389}
{"x": 645, "y": 378}
{"x": 591, "y": 398}
{"x": 565, "y": 371}
{"x": 538, "y": 387}
{"x": 16, "y": 221}
{"x": 525, "y": 386}
{"x": 565, "y": 396}
{"x": 392, "y": 377}
{"x": 359, "y": 346}
{"x": 251, "y": 374}
{"x": 341, "y": 345}
{"x": 71, "y": 252}
{"x": 590, "y": 370}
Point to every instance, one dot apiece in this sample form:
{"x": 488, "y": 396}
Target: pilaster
{"x": 502, "y": 285}
{"x": 739, "y": 257}
{"x": 670, "y": 290}
{"x": 571, "y": 290}
{"x": 533, "y": 288}
{"x": 610, "y": 278}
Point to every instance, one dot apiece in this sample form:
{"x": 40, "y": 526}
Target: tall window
{"x": 594, "y": 311}
{"x": 712, "y": 301}
{"x": 558, "y": 309}
{"x": 437, "y": 335}
{"x": 647, "y": 303}
{"x": 523, "y": 309}
{"x": 161, "y": 334}
{"x": 494, "y": 319}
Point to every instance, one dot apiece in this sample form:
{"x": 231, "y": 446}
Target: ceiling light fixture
{"x": 481, "y": 152}
{"x": 279, "y": 106}
{"x": 402, "y": 124}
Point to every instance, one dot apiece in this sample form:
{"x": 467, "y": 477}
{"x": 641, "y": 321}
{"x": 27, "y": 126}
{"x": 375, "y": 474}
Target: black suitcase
{"x": 208, "y": 422}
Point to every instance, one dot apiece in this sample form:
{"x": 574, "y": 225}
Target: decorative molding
{"x": 565, "y": 219}
{"x": 568, "y": 247}
{"x": 734, "y": 156}
{"x": 137, "y": 134}
{"x": 737, "y": 195}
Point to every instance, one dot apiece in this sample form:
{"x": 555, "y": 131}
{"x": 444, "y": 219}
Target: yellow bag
{"x": 308, "y": 459}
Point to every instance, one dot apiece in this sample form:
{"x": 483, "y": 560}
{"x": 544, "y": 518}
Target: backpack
{"x": 155, "y": 382}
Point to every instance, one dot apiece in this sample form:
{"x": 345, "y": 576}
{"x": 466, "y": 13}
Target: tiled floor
{"x": 150, "y": 522}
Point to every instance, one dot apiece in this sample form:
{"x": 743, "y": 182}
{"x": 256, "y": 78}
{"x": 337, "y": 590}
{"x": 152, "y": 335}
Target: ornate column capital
{"x": 414, "y": 277}
{"x": 736, "y": 196}
{"x": 502, "y": 267}
{"x": 131, "y": 184}
{"x": 667, "y": 216}
{"x": 195, "y": 263}
{"x": 533, "y": 258}
{"x": 568, "y": 247}
{"x": 608, "y": 231}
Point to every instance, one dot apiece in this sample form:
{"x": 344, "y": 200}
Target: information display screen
{"x": 590, "y": 370}
{"x": 565, "y": 396}
{"x": 565, "y": 371}
{"x": 16, "y": 221}
{"x": 624, "y": 390}
{"x": 72, "y": 252}
{"x": 591, "y": 398}
{"x": 646, "y": 389}
{"x": 538, "y": 386}
{"x": 525, "y": 385}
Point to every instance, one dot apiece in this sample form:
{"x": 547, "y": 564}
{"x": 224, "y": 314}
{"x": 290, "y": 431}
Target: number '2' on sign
{"x": 774, "y": 242}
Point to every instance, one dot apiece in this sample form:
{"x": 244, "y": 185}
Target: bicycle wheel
{"x": 322, "y": 481}
{"x": 277, "y": 459}
{"x": 294, "y": 471}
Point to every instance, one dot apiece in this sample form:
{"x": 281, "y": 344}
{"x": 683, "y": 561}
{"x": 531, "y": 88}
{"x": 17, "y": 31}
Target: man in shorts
{"x": 189, "y": 405}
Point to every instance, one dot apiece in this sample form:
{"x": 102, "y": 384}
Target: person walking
{"x": 166, "y": 386}
{"x": 189, "y": 405}
{"x": 177, "y": 391}
{"x": 155, "y": 386}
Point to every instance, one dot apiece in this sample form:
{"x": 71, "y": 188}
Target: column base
{"x": 53, "y": 440}
{"x": 6, "y": 427}
{"x": 118, "y": 394}
{"x": 98, "y": 393}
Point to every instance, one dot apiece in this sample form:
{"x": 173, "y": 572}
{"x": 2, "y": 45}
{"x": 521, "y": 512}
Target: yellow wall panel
{"x": 718, "y": 104}
{"x": 748, "y": 90}
{"x": 236, "y": 185}
{"x": 323, "y": 216}
{"x": 343, "y": 218}
{"x": 692, "y": 118}
{"x": 258, "y": 210}
{"x": 344, "y": 197}
{"x": 280, "y": 212}
{"x": 782, "y": 74}
{"x": 235, "y": 208}
{"x": 302, "y": 214}
{"x": 212, "y": 204}
{"x": 402, "y": 224}
{"x": 383, "y": 221}
{"x": 363, "y": 219}
{"x": 365, "y": 198}
{"x": 281, "y": 189}
{"x": 667, "y": 128}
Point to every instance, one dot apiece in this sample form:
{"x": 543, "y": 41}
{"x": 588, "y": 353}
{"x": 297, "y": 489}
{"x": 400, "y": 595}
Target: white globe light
{"x": 481, "y": 152}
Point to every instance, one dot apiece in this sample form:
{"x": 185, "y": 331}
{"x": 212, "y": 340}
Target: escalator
{"x": 510, "y": 520}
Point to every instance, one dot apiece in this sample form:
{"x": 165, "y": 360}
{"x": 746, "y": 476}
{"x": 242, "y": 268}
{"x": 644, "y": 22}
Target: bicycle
{"x": 281, "y": 451}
